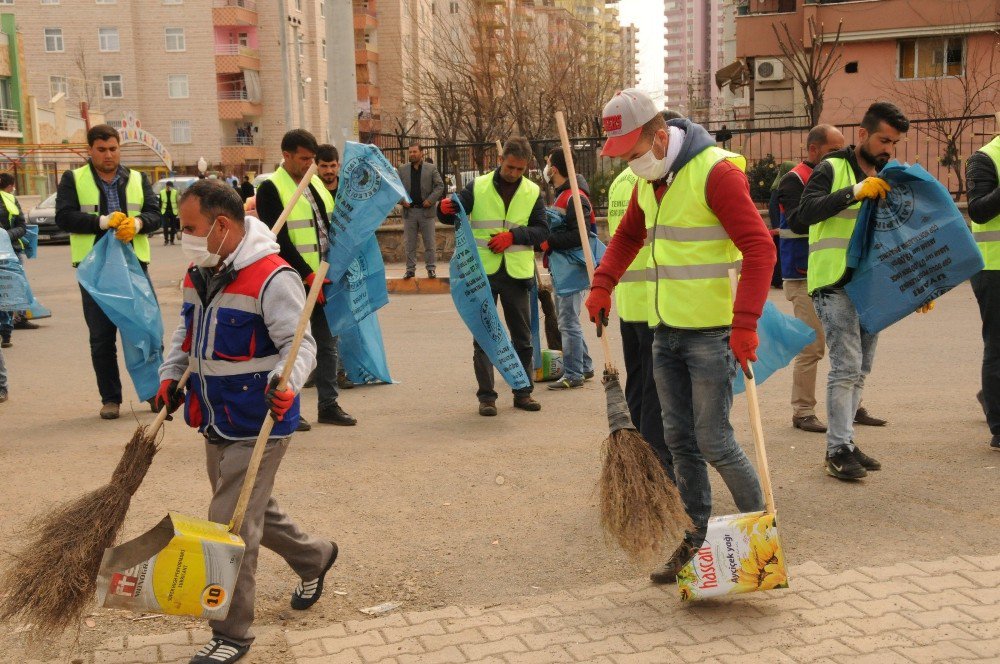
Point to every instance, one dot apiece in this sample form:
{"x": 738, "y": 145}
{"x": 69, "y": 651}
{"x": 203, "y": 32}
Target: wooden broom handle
{"x": 303, "y": 183}
{"x": 756, "y": 427}
{"x": 154, "y": 428}
{"x": 265, "y": 430}
{"x": 581, "y": 223}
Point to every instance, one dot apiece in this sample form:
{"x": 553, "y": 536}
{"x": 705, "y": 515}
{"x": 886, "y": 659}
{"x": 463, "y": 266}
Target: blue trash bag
{"x": 781, "y": 337}
{"x": 30, "y": 241}
{"x": 360, "y": 292}
{"x": 362, "y": 353}
{"x": 15, "y": 293}
{"x": 470, "y": 291}
{"x": 112, "y": 275}
{"x": 910, "y": 249}
{"x": 569, "y": 266}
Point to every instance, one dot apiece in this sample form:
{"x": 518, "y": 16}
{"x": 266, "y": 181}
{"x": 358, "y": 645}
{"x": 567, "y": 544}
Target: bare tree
{"x": 88, "y": 86}
{"x": 811, "y": 66}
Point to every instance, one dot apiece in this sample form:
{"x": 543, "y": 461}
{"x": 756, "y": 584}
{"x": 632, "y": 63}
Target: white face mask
{"x": 196, "y": 249}
{"x": 547, "y": 173}
{"x": 648, "y": 167}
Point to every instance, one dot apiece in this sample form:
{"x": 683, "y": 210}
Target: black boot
{"x": 334, "y": 414}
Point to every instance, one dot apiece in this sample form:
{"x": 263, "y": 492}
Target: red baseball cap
{"x": 623, "y": 119}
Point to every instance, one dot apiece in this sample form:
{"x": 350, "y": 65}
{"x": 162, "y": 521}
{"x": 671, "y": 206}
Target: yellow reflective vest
{"x": 488, "y": 217}
{"x": 828, "y": 239}
{"x": 631, "y": 299}
{"x": 303, "y": 228}
{"x": 688, "y": 269}
{"x": 988, "y": 235}
{"x": 88, "y": 194}
{"x": 171, "y": 195}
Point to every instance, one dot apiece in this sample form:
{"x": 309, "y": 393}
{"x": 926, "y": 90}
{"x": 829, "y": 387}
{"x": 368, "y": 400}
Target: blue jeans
{"x": 694, "y": 371}
{"x": 3, "y": 372}
{"x": 576, "y": 355}
{"x": 852, "y": 351}
{"x": 7, "y": 317}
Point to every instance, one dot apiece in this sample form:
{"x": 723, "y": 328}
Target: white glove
{"x": 138, "y": 224}
{"x": 103, "y": 220}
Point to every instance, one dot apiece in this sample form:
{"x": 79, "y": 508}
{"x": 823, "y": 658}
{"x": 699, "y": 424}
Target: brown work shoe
{"x": 809, "y": 423}
{"x": 488, "y": 408}
{"x": 862, "y": 417}
{"x": 527, "y": 403}
{"x": 109, "y": 411}
{"x": 681, "y": 556}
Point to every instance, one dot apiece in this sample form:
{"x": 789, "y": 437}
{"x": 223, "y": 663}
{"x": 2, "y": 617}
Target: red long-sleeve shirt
{"x": 728, "y": 196}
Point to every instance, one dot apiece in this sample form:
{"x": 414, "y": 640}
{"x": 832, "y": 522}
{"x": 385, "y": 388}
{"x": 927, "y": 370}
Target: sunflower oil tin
{"x": 741, "y": 554}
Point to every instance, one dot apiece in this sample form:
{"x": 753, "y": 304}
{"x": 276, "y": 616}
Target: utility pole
{"x": 340, "y": 73}
{"x": 296, "y": 26}
{"x": 283, "y": 41}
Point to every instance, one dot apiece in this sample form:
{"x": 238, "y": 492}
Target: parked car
{"x": 43, "y": 215}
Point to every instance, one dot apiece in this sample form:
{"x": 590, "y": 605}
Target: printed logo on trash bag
{"x": 361, "y": 178}
{"x": 896, "y": 210}
{"x": 491, "y": 323}
{"x": 356, "y": 274}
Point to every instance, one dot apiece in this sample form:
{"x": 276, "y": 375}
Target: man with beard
{"x": 425, "y": 186}
{"x": 829, "y": 207}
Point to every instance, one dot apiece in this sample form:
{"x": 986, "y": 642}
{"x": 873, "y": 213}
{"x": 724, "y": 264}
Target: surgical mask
{"x": 648, "y": 167}
{"x": 196, "y": 249}
{"x": 547, "y": 174}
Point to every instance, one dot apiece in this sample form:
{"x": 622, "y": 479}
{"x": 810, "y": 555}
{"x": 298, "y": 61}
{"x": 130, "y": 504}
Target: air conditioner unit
{"x": 770, "y": 69}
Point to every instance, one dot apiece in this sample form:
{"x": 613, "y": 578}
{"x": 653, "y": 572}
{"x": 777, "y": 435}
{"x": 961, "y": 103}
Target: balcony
{"x": 365, "y": 55}
{"x": 234, "y": 12}
{"x": 233, "y": 58}
{"x": 747, "y": 7}
{"x": 365, "y": 20}
{"x": 10, "y": 123}
{"x": 236, "y": 152}
{"x": 236, "y": 105}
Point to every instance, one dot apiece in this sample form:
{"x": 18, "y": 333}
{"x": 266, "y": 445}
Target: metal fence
{"x": 461, "y": 162}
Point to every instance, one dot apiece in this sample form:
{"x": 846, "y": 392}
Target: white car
{"x": 180, "y": 184}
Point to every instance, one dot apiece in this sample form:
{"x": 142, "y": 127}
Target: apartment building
{"x": 204, "y": 76}
{"x": 929, "y": 56}
{"x": 12, "y": 97}
{"x": 366, "y": 63}
{"x": 630, "y": 55}
{"x": 695, "y": 48}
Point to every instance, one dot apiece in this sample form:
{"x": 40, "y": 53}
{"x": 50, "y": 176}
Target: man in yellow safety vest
{"x": 508, "y": 220}
{"x": 983, "y": 176}
{"x": 101, "y": 196}
{"x": 829, "y": 208}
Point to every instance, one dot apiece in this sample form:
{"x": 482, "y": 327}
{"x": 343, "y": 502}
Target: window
{"x": 931, "y": 57}
{"x": 326, "y": 92}
{"x": 50, "y": 2}
{"x": 453, "y": 7}
{"x": 6, "y": 2}
{"x": 243, "y": 39}
{"x": 173, "y": 2}
{"x": 177, "y": 86}
{"x": 324, "y": 49}
{"x": 53, "y": 40}
{"x": 322, "y": 8}
{"x": 112, "y": 84}
{"x": 180, "y": 131}
{"x": 108, "y": 39}
{"x": 298, "y": 5}
{"x": 175, "y": 39}
{"x": 58, "y": 84}
{"x": 107, "y": 2}
{"x": 300, "y": 46}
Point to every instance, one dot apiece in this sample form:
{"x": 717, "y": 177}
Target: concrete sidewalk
{"x": 940, "y": 611}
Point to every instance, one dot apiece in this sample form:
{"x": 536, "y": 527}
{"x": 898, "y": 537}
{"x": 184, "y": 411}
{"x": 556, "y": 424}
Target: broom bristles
{"x": 641, "y": 508}
{"x": 50, "y": 582}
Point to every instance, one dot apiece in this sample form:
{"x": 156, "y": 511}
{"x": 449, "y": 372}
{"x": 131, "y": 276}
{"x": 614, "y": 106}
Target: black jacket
{"x": 532, "y": 235}
{"x": 269, "y": 207}
{"x": 984, "y": 188}
{"x": 568, "y": 236}
{"x": 70, "y": 219}
{"x": 818, "y": 203}
{"x": 13, "y": 222}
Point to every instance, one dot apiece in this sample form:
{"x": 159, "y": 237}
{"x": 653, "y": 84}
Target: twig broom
{"x": 50, "y": 582}
{"x": 640, "y": 507}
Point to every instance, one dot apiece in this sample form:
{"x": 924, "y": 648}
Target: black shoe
{"x": 431, "y": 274}
{"x": 4, "y": 395}
{"x": 587, "y": 375}
{"x": 566, "y": 384}
{"x": 25, "y": 324}
{"x": 844, "y": 466}
{"x": 343, "y": 382}
{"x": 219, "y": 651}
{"x": 334, "y": 414}
{"x": 862, "y": 417}
{"x": 5, "y": 342}
{"x": 866, "y": 461}
{"x": 303, "y": 425}
{"x": 488, "y": 408}
{"x": 809, "y": 423}
{"x": 681, "y": 556}
{"x": 994, "y": 444}
{"x": 409, "y": 274}
{"x": 308, "y": 593}
{"x": 527, "y": 403}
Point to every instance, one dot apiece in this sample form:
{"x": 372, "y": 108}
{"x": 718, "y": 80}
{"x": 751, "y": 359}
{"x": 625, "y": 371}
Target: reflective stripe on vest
{"x": 828, "y": 239}
{"x": 692, "y": 253}
{"x": 170, "y": 194}
{"x": 488, "y": 217}
{"x": 302, "y": 226}
{"x": 89, "y": 196}
{"x": 988, "y": 235}
{"x": 231, "y": 355}
{"x": 630, "y": 293}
